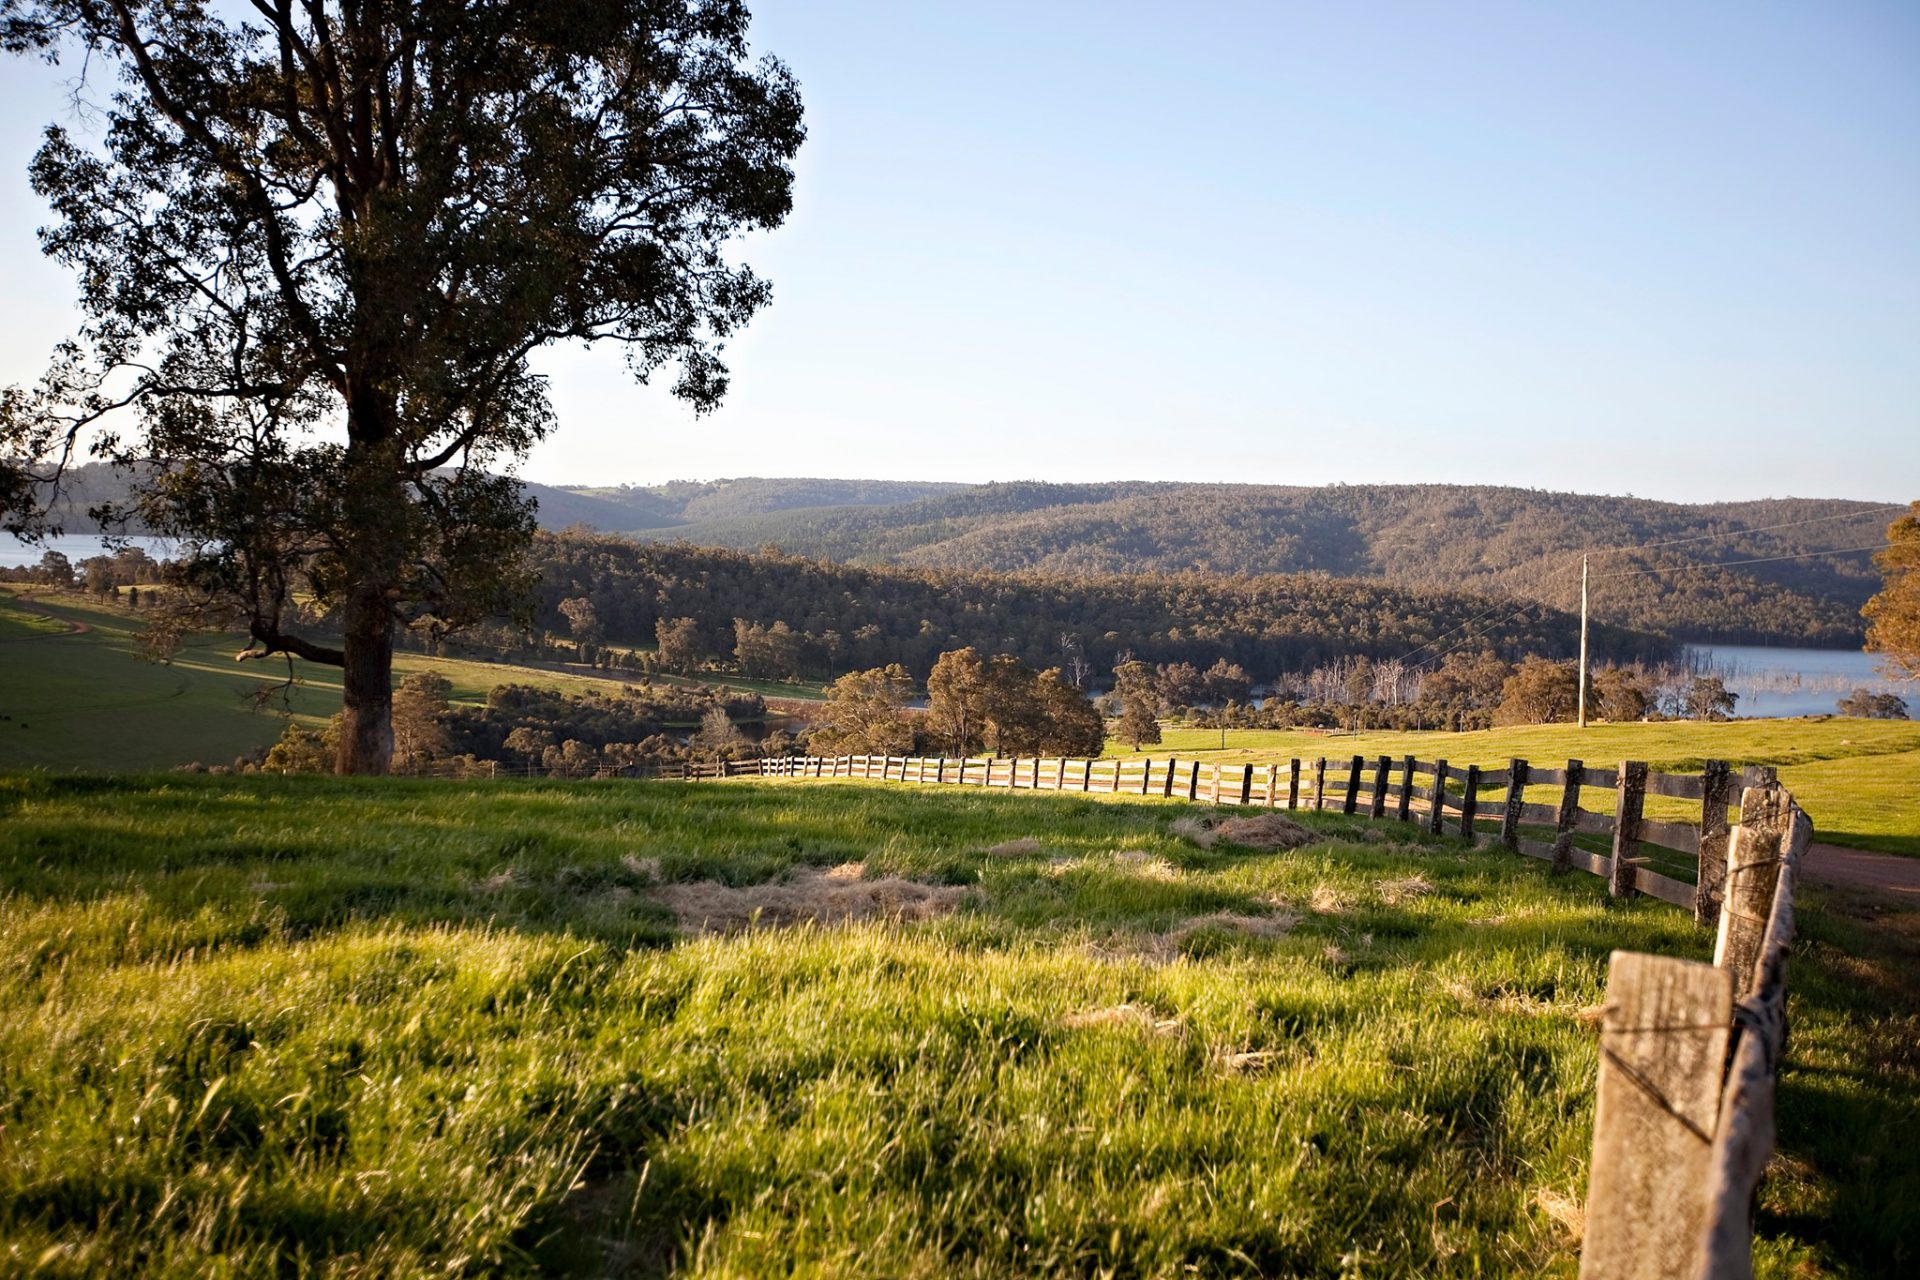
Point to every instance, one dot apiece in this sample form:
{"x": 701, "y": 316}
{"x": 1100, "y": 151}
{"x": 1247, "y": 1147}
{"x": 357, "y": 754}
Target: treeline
{"x": 1433, "y": 537}
{"x": 793, "y": 616}
{"x": 526, "y": 728}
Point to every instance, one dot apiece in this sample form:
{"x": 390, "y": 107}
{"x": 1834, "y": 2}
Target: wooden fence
{"x": 1689, "y": 1052}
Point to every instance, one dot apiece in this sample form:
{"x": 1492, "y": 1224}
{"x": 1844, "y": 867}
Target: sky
{"x": 1665, "y": 250}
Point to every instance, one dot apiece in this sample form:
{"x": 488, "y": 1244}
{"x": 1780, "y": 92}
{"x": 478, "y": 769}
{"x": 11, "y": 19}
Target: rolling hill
{"x": 1655, "y": 567}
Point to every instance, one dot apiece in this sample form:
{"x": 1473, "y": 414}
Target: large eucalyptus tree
{"x": 318, "y": 240}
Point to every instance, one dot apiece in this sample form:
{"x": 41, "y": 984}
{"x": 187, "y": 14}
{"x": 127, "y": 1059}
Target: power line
{"x": 1492, "y": 608}
{"x": 1725, "y": 564}
{"x": 1760, "y": 528}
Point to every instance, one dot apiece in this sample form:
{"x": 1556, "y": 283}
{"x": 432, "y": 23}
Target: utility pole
{"x": 1583, "y": 641}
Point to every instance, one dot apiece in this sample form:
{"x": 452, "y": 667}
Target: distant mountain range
{"x": 1661, "y": 566}
{"x": 1739, "y": 572}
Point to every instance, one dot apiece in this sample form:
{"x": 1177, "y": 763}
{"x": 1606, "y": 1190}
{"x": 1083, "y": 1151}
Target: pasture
{"x": 1858, "y": 779}
{"x": 830, "y": 1028}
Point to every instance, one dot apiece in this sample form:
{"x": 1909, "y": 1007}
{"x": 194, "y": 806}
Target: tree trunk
{"x": 366, "y": 729}
{"x": 373, "y": 512}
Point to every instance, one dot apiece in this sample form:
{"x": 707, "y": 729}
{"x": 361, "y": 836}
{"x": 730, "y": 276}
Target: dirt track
{"x": 1857, "y": 869}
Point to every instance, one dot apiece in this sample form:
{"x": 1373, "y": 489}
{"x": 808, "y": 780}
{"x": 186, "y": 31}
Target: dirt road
{"x": 1856, "y": 869}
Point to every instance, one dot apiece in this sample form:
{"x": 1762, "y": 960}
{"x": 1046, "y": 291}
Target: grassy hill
{"x": 80, "y": 694}
{"x": 259, "y": 1026}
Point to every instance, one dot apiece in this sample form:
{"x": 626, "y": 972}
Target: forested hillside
{"x": 1654, "y": 562}
{"x": 846, "y": 616}
{"x": 1476, "y": 538}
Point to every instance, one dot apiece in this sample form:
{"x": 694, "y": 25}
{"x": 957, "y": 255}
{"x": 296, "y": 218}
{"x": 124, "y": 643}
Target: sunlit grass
{"x": 271, "y": 1026}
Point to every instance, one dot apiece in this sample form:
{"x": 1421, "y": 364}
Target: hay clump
{"x": 1566, "y": 1212}
{"x": 1129, "y": 1015}
{"x": 1265, "y": 831}
{"x": 1015, "y": 848}
{"x": 809, "y": 896}
{"x": 1274, "y": 926}
{"x": 1195, "y": 830}
{"x": 1327, "y": 900}
{"x": 1146, "y": 864}
{"x": 1405, "y": 889}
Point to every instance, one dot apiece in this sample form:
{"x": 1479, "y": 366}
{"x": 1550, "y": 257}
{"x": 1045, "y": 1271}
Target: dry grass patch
{"x": 1260, "y": 831}
{"x": 1275, "y": 926}
{"x": 1405, "y": 889}
{"x": 1146, "y": 865}
{"x": 1137, "y": 1017}
{"x": 809, "y": 895}
{"x": 1327, "y": 900}
{"x": 1565, "y": 1210}
{"x": 1015, "y": 848}
{"x": 1266, "y": 831}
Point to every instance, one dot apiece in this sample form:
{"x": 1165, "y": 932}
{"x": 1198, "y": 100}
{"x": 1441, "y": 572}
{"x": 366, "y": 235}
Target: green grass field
{"x": 80, "y": 695}
{"x": 1858, "y": 779}
{"x": 287, "y": 1026}
{"x": 87, "y": 700}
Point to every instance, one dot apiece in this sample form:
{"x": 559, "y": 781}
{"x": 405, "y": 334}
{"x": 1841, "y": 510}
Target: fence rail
{"x": 1689, "y": 1052}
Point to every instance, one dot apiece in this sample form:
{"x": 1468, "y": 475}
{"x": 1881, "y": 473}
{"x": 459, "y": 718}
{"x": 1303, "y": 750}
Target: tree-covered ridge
{"x": 1473, "y": 538}
{"x": 850, "y": 617}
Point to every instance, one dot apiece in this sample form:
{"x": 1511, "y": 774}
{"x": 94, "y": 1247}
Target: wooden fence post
{"x": 1470, "y": 801}
{"x": 1382, "y": 773}
{"x": 1568, "y": 817}
{"x": 1146, "y": 775}
{"x": 1213, "y": 782}
{"x": 1246, "y": 784}
{"x": 1743, "y": 1142}
{"x": 1663, "y": 1047}
{"x": 1293, "y": 783}
{"x": 1193, "y": 780}
{"x": 1166, "y": 783}
{"x": 1320, "y": 783}
{"x": 1716, "y": 794}
{"x": 1354, "y": 769}
{"x": 1630, "y": 799}
{"x": 1273, "y": 784}
{"x": 1437, "y": 819}
{"x": 1404, "y": 808}
{"x": 1753, "y": 869}
{"x": 1516, "y": 797}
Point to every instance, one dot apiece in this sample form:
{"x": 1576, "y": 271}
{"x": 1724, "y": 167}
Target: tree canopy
{"x": 1893, "y": 616}
{"x": 316, "y": 249}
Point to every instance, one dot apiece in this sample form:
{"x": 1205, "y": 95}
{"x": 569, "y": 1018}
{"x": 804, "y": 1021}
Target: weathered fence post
{"x": 1166, "y": 783}
{"x": 1516, "y": 799}
{"x": 1273, "y": 783}
{"x": 1193, "y": 780}
{"x": 1382, "y": 773}
{"x": 1470, "y": 801}
{"x": 1743, "y": 1142}
{"x": 1246, "y": 784}
{"x": 1320, "y": 783}
{"x": 1753, "y": 870}
{"x": 1354, "y": 770}
{"x": 1438, "y": 817}
{"x": 1716, "y": 794}
{"x": 1663, "y": 1046}
{"x": 1568, "y": 818}
{"x": 1293, "y": 782}
{"x": 1630, "y": 799}
{"x": 1146, "y": 775}
{"x": 1213, "y": 782}
{"x": 1404, "y": 808}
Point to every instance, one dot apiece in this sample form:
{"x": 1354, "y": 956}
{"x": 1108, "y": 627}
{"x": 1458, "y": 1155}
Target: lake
{"x": 1796, "y": 682}
{"x": 75, "y": 547}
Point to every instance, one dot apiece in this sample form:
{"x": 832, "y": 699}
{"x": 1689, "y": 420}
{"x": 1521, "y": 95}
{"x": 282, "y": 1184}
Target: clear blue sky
{"x": 1670, "y": 250}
